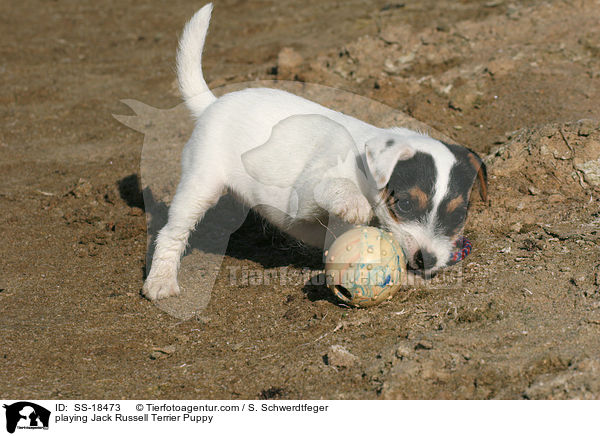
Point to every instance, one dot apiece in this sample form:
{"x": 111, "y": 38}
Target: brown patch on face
{"x": 454, "y": 203}
{"x": 481, "y": 175}
{"x": 419, "y": 196}
{"x": 388, "y": 198}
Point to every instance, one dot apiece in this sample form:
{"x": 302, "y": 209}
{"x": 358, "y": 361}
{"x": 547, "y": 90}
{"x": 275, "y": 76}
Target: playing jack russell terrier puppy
{"x": 298, "y": 163}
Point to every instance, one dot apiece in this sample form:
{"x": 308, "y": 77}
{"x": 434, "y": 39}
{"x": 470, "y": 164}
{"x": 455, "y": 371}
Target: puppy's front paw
{"x": 354, "y": 210}
{"x": 157, "y": 288}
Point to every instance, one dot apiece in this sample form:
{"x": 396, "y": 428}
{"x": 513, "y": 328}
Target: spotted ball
{"x": 365, "y": 266}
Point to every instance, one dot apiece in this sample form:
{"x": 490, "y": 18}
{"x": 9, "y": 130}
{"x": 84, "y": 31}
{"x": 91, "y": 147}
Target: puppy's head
{"x": 422, "y": 190}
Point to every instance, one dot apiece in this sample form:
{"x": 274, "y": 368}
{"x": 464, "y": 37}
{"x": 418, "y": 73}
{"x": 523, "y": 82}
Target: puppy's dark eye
{"x": 403, "y": 205}
{"x": 400, "y": 204}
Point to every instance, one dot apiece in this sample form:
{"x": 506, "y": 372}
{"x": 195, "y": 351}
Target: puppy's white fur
{"x": 291, "y": 159}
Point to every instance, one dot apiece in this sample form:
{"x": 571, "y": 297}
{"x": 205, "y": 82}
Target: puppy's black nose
{"x": 425, "y": 260}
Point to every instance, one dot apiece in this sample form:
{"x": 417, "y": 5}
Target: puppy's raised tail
{"x": 193, "y": 87}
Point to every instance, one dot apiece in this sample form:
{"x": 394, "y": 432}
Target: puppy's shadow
{"x": 130, "y": 191}
{"x": 316, "y": 289}
{"x": 229, "y": 228}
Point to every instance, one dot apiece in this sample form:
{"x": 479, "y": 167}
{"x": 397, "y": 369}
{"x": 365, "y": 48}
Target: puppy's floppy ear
{"x": 481, "y": 170}
{"x": 382, "y": 154}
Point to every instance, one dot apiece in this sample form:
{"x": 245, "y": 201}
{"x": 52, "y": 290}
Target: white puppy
{"x": 297, "y": 163}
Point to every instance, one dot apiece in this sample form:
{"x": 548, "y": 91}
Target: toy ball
{"x": 365, "y": 266}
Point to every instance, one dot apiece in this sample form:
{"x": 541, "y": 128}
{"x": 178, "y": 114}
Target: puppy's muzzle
{"x": 423, "y": 260}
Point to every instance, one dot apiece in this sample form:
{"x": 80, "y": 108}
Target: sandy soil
{"x": 518, "y": 82}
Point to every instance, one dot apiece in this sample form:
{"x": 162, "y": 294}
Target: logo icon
{"x": 26, "y": 415}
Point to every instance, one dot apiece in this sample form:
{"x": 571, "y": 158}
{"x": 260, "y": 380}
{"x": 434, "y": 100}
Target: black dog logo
{"x": 28, "y": 415}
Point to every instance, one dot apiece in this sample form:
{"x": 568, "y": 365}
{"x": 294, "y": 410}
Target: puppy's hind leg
{"x": 195, "y": 194}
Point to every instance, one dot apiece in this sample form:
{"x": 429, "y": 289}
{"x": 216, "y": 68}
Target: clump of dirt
{"x": 555, "y": 160}
{"x": 466, "y": 76}
{"x": 542, "y": 172}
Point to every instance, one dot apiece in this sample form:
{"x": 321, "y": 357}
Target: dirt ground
{"x": 519, "y": 82}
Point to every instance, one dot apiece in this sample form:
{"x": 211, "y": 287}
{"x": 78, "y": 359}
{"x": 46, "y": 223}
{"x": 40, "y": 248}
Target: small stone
{"x": 339, "y": 357}
{"x": 82, "y": 188}
{"x": 555, "y": 198}
{"x": 162, "y": 352}
{"x": 464, "y": 97}
{"x": 396, "y": 65}
{"x": 288, "y": 61}
{"x": 547, "y": 131}
{"x": 586, "y": 127}
{"x": 563, "y": 231}
{"x": 403, "y": 351}
{"x": 516, "y": 227}
{"x": 591, "y": 171}
{"x": 424, "y": 345}
{"x": 398, "y": 33}
{"x": 155, "y": 355}
{"x": 533, "y": 190}
{"x": 500, "y": 67}
{"x": 579, "y": 281}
